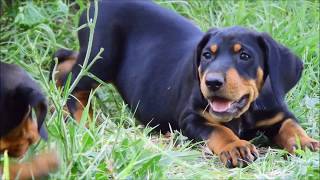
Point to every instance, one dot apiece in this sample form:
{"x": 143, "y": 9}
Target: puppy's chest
{"x": 241, "y": 126}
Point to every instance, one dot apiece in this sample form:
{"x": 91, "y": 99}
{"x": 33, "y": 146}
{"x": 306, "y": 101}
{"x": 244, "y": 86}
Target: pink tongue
{"x": 220, "y": 105}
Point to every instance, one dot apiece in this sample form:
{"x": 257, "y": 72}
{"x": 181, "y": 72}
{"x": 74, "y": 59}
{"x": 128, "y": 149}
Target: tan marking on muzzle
{"x": 199, "y": 72}
{"x": 208, "y": 117}
{"x": 203, "y": 87}
{"x": 214, "y": 48}
{"x": 236, "y": 47}
{"x": 236, "y": 87}
{"x": 18, "y": 140}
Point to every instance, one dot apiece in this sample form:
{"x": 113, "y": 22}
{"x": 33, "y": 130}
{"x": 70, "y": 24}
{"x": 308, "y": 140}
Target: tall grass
{"x": 115, "y": 145}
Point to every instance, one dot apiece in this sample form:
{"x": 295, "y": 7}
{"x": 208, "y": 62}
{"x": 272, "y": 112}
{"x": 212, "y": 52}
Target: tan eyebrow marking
{"x": 214, "y": 48}
{"x": 236, "y": 47}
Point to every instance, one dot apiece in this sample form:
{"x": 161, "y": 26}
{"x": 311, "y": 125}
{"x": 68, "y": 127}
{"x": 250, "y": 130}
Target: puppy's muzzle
{"x": 214, "y": 81}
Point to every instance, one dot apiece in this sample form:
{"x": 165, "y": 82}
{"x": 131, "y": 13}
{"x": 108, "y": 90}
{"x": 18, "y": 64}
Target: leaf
{"x": 88, "y": 141}
{"x": 29, "y": 15}
{"x": 45, "y": 28}
{"x": 6, "y": 174}
{"x": 62, "y": 7}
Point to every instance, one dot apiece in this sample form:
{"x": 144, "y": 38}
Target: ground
{"x": 115, "y": 145}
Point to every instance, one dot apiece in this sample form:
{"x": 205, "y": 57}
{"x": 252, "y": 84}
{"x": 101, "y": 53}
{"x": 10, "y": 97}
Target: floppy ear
{"x": 200, "y": 46}
{"x": 283, "y": 67}
{"x": 14, "y": 109}
{"x": 66, "y": 60}
{"x": 36, "y": 100}
{"x": 39, "y": 103}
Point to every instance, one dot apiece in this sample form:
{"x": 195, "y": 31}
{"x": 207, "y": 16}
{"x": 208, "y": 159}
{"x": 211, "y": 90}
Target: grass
{"x": 115, "y": 145}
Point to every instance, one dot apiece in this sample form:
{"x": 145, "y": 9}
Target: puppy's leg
{"x": 221, "y": 140}
{"x": 285, "y": 131}
{"x": 232, "y": 151}
{"x": 290, "y": 132}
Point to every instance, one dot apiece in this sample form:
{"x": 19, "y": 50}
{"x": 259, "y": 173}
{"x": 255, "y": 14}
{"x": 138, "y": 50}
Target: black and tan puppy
{"x": 221, "y": 86}
{"x": 19, "y": 96}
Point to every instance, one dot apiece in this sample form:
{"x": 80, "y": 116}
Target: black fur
{"x": 18, "y": 91}
{"x": 152, "y": 56}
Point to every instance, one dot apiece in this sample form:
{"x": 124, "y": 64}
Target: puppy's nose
{"x": 214, "y": 81}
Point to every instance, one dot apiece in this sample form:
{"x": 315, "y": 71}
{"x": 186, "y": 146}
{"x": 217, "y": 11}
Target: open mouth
{"x": 224, "y": 106}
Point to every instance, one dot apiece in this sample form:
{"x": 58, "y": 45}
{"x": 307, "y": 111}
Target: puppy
{"x": 19, "y": 96}
{"x": 221, "y": 86}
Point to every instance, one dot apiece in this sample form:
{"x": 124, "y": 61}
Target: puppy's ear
{"x": 201, "y": 44}
{"x": 66, "y": 60}
{"x": 39, "y": 103}
{"x": 31, "y": 97}
{"x": 14, "y": 108}
{"x": 283, "y": 67}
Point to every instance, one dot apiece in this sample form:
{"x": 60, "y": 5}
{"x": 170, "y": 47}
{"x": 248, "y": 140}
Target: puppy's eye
{"x": 244, "y": 56}
{"x": 207, "y": 55}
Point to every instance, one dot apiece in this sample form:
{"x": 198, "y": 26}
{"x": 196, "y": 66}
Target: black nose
{"x": 214, "y": 81}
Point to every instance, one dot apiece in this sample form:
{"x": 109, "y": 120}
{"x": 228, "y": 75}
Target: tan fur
{"x": 83, "y": 97}
{"x": 259, "y": 79}
{"x": 210, "y": 119}
{"x": 236, "y": 47}
{"x": 203, "y": 87}
{"x": 20, "y": 138}
{"x": 220, "y": 137}
{"x": 38, "y": 167}
{"x": 289, "y": 132}
{"x": 228, "y": 146}
{"x": 65, "y": 67}
{"x": 214, "y": 48}
{"x": 235, "y": 88}
{"x": 268, "y": 122}
{"x": 199, "y": 72}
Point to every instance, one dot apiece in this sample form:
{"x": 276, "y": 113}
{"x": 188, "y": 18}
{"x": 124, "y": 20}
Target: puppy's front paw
{"x": 238, "y": 153}
{"x": 305, "y": 142}
{"x": 291, "y": 133}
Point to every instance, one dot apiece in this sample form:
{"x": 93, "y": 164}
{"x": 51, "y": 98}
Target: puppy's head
{"x": 232, "y": 65}
{"x": 66, "y": 60}
{"x": 19, "y": 97}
